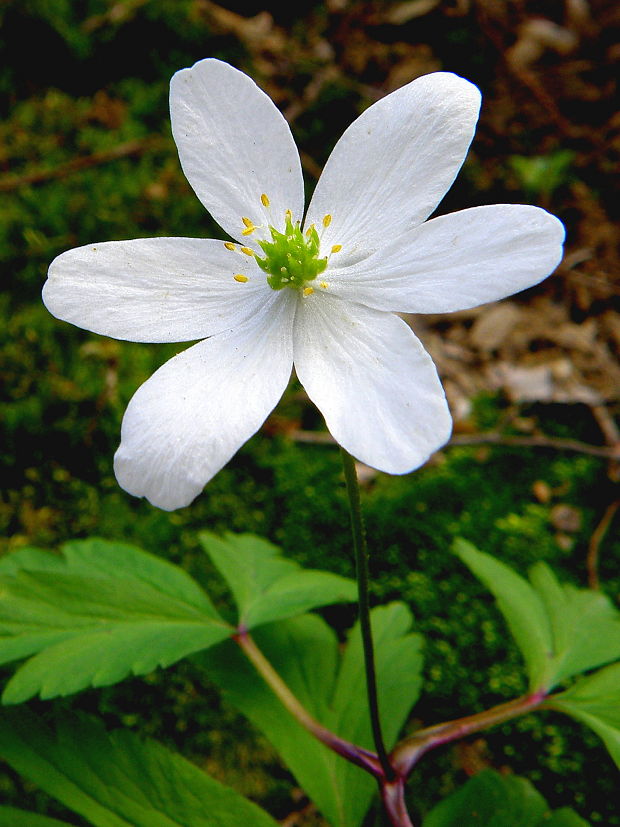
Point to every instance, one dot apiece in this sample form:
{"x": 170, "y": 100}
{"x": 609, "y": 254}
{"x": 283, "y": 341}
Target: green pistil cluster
{"x": 292, "y": 258}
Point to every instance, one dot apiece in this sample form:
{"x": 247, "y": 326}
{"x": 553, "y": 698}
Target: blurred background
{"x": 531, "y": 473}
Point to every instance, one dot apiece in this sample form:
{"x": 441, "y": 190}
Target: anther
{"x": 240, "y": 278}
{"x": 249, "y": 226}
{"x": 336, "y": 248}
{"x": 324, "y": 285}
{"x": 308, "y": 291}
{"x": 288, "y": 215}
{"x": 229, "y": 245}
{"x": 247, "y": 251}
{"x": 327, "y": 220}
{"x": 264, "y": 200}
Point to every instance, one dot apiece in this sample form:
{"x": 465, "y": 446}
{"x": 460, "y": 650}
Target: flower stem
{"x": 361, "y": 569}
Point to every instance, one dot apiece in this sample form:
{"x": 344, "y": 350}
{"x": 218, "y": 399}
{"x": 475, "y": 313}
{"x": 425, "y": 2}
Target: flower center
{"x": 292, "y": 257}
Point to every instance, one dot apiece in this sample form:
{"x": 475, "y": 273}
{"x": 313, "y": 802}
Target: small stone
{"x": 542, "y": 491}
{"x": 566, "y": 518}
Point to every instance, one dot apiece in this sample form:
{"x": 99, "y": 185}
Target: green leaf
{"x": 305, "y": 652}
{"x": 521, "y": 606}
{"x": 30, "y": 558}
{"x": 595, "y": 701}
{"x": 493, "y": 800}
{"x": 585, "y": 626}
{"x": 11, "y": 817}
{"x": 265, "y": 586}
{"x": 116, "y": 779}
{"x": 564, "y": 817}
{"x": 95, "y": 554}
{"x": 560, "y": 630}
{"x": 398, "y": 657}
{"x": 96, "y": 615}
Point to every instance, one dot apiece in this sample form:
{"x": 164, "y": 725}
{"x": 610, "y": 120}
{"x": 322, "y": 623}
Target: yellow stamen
{"x": 288, "y": 214}
{"x": 324, "y": 285}
{"x": 264, "y": 200}
{"x": 308, "y": 291}
{"x": 249, "y": 226}
{"x": 336, "y": 248}
{"x": 241, "y": 278}
{"x": 229, "y": 245}
{"x": 247, "y": 251}
{"x": 327, "y": 220}
{"x": 309, "y": 230}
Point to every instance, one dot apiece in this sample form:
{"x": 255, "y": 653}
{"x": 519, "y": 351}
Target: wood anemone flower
{"x": 319, "y": 292}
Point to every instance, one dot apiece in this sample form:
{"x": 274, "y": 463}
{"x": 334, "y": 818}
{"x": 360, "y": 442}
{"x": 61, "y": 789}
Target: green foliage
{"x": 492, "y": 800}
{"x": 561, "y": 631}
{"x": 595, "y": 701}
{"x": 106, "y": 610}
{"x": 542, "y": 174}
{"x": 266, "y": 587}
{"x": 118, "y": 779}
{"x": 103, "y": 612}
{"x": 11, "y": 817}
{"x": 330, "y": 684}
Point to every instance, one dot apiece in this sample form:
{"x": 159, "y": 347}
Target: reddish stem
{"x": 393, "y": 798}
{"x": 408, "y": 752}
{"x": 356, "y": 755}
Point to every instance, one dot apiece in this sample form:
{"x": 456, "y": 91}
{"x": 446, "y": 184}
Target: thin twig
{"x": 556, "y": 443}
{"x": 611, "y": 432}
{"x": 611, "y": 452}
{"x": 599, "y": 532}
{"x": 13, "y": 182}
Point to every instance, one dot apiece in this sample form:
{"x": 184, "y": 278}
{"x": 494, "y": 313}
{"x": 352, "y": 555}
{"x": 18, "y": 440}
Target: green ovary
{"x": 291, "y": 258}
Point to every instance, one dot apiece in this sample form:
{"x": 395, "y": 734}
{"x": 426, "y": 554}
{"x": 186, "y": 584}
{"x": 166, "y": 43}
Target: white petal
{"x": 234, "y": 145}
{"x": 154, "y": 289}
{"x": 457, "y": 261}
{"x": 196, "y": 411}
{"x": 395, "y": 163}
{"x": 373, "y": 381}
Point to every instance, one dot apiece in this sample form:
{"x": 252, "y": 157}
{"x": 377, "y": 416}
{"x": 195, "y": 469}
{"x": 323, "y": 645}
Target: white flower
{"x": 322, "y": 295}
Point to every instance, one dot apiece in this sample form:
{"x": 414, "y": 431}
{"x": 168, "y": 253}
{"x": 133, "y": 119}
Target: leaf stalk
{"x": 351, "y": 752}
{"x": 408, "y": 752}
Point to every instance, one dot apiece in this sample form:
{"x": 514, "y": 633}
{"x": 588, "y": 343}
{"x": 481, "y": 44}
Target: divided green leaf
{"x": 495, "y": 800}
{"x": 265, "y": 586}
{"x": 12, "y": 817}
{"x": 117, "y": 779}
{"x": 100, "y": 612}
{"x": 305, "y": 652}
{"x": 595, "y": 701}
{"x": 560, "y": 630}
